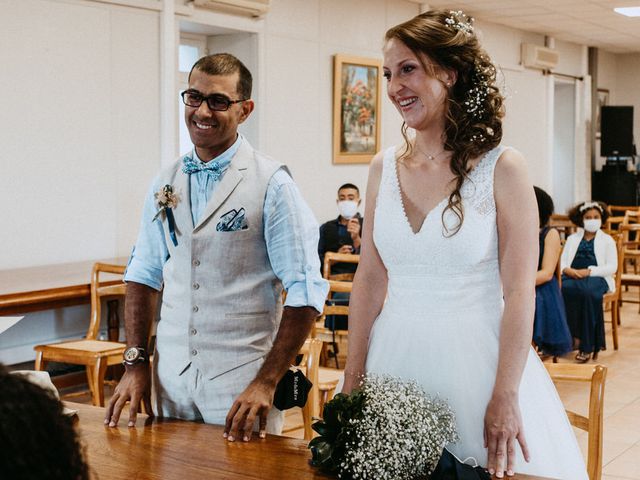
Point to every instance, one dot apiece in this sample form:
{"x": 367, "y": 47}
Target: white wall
{"x": 300, "y": 41}
{"x": 628, "y": 88}
{"x": 78, "y": 128}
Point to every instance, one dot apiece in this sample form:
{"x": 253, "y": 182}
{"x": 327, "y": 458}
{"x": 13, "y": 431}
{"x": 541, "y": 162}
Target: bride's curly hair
{"x": 474, "y": 105}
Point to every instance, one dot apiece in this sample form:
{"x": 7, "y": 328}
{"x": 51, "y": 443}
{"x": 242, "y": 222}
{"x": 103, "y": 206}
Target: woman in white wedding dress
{"x": 451, "y": 242}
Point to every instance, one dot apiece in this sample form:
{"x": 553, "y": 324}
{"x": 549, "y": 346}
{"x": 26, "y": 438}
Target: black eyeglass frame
{"x": 218, "y": 97}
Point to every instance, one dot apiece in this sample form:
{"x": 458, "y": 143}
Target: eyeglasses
{"x": 217, "y": 101}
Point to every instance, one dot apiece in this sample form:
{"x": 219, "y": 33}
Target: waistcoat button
{"x": 196, "y": 263}
{"x": 195, "y": 308}
{"x": 196, "y": 286}
{"x": 194, "y": 352}
{"x": 193, "y": 331}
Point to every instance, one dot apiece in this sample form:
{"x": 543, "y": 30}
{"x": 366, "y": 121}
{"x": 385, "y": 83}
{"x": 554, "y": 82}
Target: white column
{"x": 168, "y": 68}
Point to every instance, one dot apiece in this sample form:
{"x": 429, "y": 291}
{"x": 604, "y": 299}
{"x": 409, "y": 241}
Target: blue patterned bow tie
{"x": 213, "y": 169}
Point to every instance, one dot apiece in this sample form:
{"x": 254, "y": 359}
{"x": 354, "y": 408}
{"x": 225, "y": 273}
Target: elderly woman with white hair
{"x": 588, "y": 263}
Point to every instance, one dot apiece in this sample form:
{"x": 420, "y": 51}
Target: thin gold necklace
{"x": 431, "y": 157}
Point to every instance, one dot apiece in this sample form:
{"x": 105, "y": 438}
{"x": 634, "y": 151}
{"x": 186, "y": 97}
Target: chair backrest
{"x": 621, "y": 209}
{"x": 630, "y": 235}
{"x": 109, "y": 288}
{"x": 563, "y": 224}
{"x": 595, "y": 375}
{"x": 334, "y": 287}
{"x": 332, "y": 257}
{"x": 310, "y": 352}
{"x": 618, "y": 237}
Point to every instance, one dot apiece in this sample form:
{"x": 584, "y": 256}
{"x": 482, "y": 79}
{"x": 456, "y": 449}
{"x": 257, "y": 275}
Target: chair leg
{"x": 89, "y": 371}
{"x": 41, "y": 363}
{"x": 98, "y": 373}
{"x": 325, "y": 396}
{"x": 615, "y": 313}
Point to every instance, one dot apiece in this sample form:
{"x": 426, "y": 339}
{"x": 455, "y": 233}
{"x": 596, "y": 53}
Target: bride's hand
{"x": 351, "y": 381}
{"x": 502, "y": 427}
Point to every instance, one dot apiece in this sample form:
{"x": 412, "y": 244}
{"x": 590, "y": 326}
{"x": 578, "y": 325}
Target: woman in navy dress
{"x": 550, "y": 330}
{"x": 588, "y": 263}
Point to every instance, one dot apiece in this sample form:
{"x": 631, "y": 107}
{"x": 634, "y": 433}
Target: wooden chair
{"x": 330, "y": 377}
{"x": 331, "y": 258}
{"x": 595, "y": 375}
{"x": 562, "y": 223}
{"x": 309, "y": 364}
{"x": 613, "y": 298}
{"x": 96, "y": 355}
{"x": 621, "y": 209}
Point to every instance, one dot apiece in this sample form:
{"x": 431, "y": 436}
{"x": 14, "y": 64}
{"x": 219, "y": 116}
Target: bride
{"x": 451, "y": 243}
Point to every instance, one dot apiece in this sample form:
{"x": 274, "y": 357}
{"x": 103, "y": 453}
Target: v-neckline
{"x": 435, "y": 207}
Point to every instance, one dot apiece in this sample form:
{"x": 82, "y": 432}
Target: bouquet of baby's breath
{"x": 388, "y": 429}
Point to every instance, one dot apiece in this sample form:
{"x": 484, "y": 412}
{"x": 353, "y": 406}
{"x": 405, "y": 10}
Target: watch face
{"x": 131, "y": 354}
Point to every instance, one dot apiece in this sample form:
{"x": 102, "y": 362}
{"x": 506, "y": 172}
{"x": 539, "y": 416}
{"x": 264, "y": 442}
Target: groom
{"x": 224, "y": 229}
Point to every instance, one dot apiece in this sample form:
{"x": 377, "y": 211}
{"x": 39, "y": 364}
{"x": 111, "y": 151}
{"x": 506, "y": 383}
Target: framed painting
{"x": 603, "y": 100}
{"x": 357, "y": 94}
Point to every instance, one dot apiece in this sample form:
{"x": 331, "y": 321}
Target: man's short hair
{"x": 350, "y": 185}
{"x": 226, "y": 64}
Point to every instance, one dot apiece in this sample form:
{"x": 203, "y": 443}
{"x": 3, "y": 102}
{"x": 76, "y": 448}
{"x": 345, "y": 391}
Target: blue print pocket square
{"x": 232, "y": 221}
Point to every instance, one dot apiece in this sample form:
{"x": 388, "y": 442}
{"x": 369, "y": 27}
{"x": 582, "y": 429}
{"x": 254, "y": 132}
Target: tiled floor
{"x": 621, "y": 452}
{"x": 621, "y": 449}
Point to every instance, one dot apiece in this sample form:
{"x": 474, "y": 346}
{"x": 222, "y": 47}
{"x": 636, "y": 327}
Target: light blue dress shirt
{"x": 290, "y": 232}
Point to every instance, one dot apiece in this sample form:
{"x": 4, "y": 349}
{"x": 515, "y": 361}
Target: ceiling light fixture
{"x": 628, "y": 11}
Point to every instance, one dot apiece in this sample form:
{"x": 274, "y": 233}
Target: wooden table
{"x": 32, "y": 289}
{"x": 173, "y": 449}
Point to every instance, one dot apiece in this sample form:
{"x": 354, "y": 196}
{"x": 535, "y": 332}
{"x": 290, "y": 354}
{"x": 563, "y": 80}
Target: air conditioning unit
{"x": 255, "y": 8}
{"x": 535, "y": 56}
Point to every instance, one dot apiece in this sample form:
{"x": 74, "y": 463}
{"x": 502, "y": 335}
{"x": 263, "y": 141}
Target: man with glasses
{"x": 224, "y": 230}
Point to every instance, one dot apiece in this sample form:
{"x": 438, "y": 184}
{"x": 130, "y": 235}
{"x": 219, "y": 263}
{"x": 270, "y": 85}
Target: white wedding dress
{"x": 440, "y": 324}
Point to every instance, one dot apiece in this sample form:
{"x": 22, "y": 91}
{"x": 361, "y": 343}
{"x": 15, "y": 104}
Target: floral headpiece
{"x": 459, "y": 21}
{"x": 589, "y": 205}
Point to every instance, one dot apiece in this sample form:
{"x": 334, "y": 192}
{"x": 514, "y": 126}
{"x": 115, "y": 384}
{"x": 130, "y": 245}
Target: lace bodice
{"x": 432, "y": 250}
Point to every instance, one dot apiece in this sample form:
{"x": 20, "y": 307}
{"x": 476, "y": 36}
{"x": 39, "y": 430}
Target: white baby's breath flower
{"x": 401, "y": 432}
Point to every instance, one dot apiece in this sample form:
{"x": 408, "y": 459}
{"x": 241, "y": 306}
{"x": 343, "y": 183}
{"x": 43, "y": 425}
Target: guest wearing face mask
{"x": 342, "y": 235}
{"x": 588, "y": 262}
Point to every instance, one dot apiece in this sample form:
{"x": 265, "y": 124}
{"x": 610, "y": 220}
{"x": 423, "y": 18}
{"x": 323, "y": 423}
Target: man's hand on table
{"x": 135, "y": 386}
{"x": 254, "y": 402}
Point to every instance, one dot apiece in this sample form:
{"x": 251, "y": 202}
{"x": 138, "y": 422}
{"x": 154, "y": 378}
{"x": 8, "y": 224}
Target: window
{"x": 191, "y": 48}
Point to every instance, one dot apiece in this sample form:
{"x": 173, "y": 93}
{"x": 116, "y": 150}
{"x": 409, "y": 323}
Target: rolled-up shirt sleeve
{"x": 291, "y": 235}
{"x": 150, "y": 252}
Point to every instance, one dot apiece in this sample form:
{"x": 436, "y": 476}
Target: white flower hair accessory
{"x": 589, "y": 205}
{"x": 459, "y": 21}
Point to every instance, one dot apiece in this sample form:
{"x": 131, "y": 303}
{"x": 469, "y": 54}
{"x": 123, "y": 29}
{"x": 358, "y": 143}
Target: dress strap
{"x": 388, "y": 179}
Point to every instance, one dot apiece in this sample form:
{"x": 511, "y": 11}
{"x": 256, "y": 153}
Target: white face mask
{"x": 592, "y": 225}
{"x": 348, "y": 209}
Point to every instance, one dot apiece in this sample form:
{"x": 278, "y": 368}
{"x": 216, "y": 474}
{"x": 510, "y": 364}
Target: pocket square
{"x": 232, "y": 221}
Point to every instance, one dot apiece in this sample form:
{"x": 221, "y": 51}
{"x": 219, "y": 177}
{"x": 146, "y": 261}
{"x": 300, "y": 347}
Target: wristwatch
{"x": 134, "y": 355}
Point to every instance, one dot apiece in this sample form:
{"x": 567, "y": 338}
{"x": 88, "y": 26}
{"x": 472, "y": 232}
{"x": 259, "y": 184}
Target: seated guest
{"x": 342, "y": 235}
{"x": 588, "y": 263}
{"x": 550, "y": 330}
{"x": 36, "y": 440}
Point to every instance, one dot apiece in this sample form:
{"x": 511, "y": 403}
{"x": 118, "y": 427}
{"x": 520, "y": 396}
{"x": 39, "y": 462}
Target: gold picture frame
{"x": 357, "y": 95}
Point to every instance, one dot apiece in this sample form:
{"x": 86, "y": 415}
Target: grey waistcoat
{"x": 221, "y": 303}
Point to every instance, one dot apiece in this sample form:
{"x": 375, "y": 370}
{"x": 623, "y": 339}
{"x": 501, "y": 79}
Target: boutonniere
{"x": 167, "y": 199}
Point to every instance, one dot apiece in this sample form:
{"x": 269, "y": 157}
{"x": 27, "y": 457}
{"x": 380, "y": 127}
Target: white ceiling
{"x": 587, "y": 22}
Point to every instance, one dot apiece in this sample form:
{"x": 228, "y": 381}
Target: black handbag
{"x": 450, "y": 468}
{"x": 292, "y": 390}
